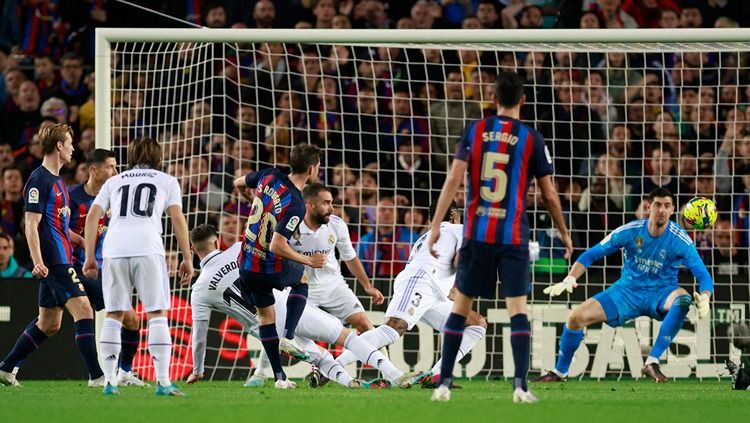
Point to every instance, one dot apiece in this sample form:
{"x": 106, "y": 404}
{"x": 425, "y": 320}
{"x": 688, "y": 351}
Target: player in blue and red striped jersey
{"x": 501, "y": 154}
{"x": 267, "y": 261}
{"x": 102, "y": 165}
{"x": 47, "y": 212}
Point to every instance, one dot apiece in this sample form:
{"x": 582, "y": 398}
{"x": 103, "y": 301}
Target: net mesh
{"x": 619, "y": 119}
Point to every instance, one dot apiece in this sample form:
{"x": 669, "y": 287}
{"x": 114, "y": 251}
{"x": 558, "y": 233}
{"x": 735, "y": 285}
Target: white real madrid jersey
{"x": 329, "y": 237}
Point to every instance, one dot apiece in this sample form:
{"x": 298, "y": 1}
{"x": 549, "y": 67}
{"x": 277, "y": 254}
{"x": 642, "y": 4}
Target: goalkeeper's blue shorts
{"x": 623, "y": 301}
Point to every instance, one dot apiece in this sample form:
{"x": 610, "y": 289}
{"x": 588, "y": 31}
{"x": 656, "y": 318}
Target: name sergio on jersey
{"x": 500, "y": 136}
{"x": 274, "y": 197}
{"x": 220, "y": 274}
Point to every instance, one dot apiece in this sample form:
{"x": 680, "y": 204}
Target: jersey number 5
{"x": 491, "y": 173}
{"x": 267, "y": 224}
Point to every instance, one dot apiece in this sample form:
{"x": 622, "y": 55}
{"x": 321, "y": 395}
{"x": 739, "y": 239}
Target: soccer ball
{"x": 699, "y": 213}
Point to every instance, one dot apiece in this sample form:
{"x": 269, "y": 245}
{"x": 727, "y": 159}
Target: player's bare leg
{"x": 360, "y": 322}
{"x": 589, "y": 313}
{"x": 83, "y": 318}
{"x": 675, "y": 307}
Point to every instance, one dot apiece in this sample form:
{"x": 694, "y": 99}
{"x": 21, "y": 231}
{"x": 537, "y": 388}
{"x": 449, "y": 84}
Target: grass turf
{"x": 575, "y": 401}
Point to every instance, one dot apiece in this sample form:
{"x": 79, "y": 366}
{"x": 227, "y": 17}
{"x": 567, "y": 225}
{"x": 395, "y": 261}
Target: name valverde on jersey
{"x": 325, "y": 240}
{"x": 503, "y": 154}
{"x": 137, "y": 198}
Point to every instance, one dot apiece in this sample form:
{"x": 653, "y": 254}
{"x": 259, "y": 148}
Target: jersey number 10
{"x": 139, "y": 207}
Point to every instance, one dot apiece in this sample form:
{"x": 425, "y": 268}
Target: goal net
{"x": 620, "y": 116}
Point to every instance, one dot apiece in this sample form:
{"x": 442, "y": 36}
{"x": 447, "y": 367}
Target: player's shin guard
{"x": 453, "y": 335}
{"x": 110, "y": 345}
{"x": 29, "y": 341}
{"x": 86, "y": 344}
{"x": 370, "y": 355}
{"x": 569, "y": 342}
{"x": 270, "y": 340}
{"x": 160, "y": 347}
{"x": 295, "y": 305}
{"x": 379, "y": 337}
{"x": 130, "y": 340}
{"x": 671, "y": 324}
{"x": 520, "y": 341}
{"x": 472, "y": 335}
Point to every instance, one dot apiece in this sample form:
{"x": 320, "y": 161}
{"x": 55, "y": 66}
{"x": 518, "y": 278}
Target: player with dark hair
{"x": 47, "y": 215}
{"x": 267, "y": 261}
{"x": 501, "y": 154}
{"x": 102, "y": 164}
{"x": 653, "y": 249}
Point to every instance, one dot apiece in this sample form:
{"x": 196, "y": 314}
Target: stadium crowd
{"x": 617, "y": 124}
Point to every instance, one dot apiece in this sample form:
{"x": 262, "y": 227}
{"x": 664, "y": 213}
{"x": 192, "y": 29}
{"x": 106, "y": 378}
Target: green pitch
{"x": 229, "y": 402}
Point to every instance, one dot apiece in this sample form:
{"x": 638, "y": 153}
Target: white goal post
{"x": 611, "y": 104}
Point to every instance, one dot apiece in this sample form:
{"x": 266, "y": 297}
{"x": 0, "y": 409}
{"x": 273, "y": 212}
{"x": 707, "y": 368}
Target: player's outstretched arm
{"x": 452, "y": 182}
{"x": 552, "y": 203}
{"x": 705, "y": 283}
{"x": 90, "y": 266}
{"x": 198, "y": 334}
{"x": 280, "y": 246}
{"x": 568, "y": 283}
{"x": 183, "y": 240}
{"x": 32, "y": 238}
{"x": 355, "y": 266}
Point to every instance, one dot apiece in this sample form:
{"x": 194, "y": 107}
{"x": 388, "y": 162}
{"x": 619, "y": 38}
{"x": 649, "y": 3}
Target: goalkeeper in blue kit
{"x": 653, "y": 251}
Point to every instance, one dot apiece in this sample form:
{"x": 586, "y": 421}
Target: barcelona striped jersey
{"x": 503, "y": 154}
{"x": 80, "y": 204}
{"x": 47, "y": 195}
{"x": 277, "y": 207}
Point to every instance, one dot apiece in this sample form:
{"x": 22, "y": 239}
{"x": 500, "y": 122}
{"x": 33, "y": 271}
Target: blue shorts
{"x": 257, "y": 288}
{"x": 481, "y": 264}
{"x": 93, "y": 288}
{"x": 622, "y": 302}
{"x": 60, "y": 285}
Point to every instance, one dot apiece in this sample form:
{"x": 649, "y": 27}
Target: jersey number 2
{"x": 139, "y": 207}
{"x": 490, "y": 173}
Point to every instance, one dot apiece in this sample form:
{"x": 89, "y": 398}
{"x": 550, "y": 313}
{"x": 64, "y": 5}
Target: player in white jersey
{"x": 322, "y": 232}
{"x": 421, "y": 292}
{"x": 217, "y": 289}
{"x": 134, "y": 256}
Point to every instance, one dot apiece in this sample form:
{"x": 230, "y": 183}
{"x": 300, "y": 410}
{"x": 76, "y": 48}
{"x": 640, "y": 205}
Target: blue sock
{"x": 671, "y": 325}
{"x": 520, "y": 342}
{"x": 453, "y": 333}
{"x": 129, "y": 340}
{"x": 270, "y": 339}
{"x": 86, "y": 344}
{"x": 295, "y": 305}
{"x": 27, "y": 343}
{"x": 569, "y": 342}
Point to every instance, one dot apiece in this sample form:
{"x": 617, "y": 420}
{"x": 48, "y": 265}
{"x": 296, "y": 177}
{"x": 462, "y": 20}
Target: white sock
{"x": 110, "y": 345}
{"x": 369, "y": 355}
{"x": 650, "y": 360}
{"x": 263, "y": 369}
{"x": 379, "y": 337}
{"x": 472, "y": 335}
{"x": 160, "y": 347}
{"x": 334, "y": 370}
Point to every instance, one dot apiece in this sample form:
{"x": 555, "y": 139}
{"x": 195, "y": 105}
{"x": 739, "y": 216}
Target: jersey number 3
{"x": 498, "y": 176}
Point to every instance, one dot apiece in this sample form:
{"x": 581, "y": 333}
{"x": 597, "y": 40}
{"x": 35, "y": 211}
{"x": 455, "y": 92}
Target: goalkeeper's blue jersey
{"x": 651, "y": 262}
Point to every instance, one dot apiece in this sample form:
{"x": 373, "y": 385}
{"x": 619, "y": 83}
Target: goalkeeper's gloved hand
{"x": 701, "y": 304}
{"x": 566, "y": 285}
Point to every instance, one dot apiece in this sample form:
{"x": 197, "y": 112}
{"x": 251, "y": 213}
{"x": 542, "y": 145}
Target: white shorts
{"x": 336, "y": 299}
{"x": 318, "y": 325}
{"x": 416, "y": 298}
{"x": 147, "y": 274}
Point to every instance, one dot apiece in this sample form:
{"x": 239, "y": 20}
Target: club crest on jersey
{"x": 663, "y": 254}
{"x": 331, "y": 240}
{"x": 293, "y": 222}
{"x": 33, "y": 196}
{"x": 639, "y": 242}
{"x": 296, "y": 235}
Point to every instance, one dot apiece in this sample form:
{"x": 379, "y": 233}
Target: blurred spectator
{"x": 22, "y": 122}
{"x": 422, "y": 16}
{"x": 659, "y": 174}
{"x": 230, "y": 230}
{"x": 6, "y": 154}
{"x": 669, "y": 19}
{"x": 264, "y": 14}
{"x": 71, "y": 89}
{"x": 725, "y": 257}
{"x": 11, "y": 202}
{"x": 199, "y": 187}
{"x": 385, "y": 250}
{"x": 612, "y": 12}
{"x": 647, "y": 13}
{"x": 412, "y": 176}
{"x": 520, "y": 15}
{"x": 45, "y": 76}
{"x": 56, "y": 108}
{"x": 9, "y": 267}
{"x": 487, "y": 14}
{"x": 448, "y": 118}
{"x": 215, "y": 15}
{"x": 691, "y": 17}
{"x": 324, "y": 11}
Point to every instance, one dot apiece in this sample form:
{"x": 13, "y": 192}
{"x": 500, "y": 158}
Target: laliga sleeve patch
{"x": 293, "y": 222}
{"x": 33, "y": 196}
{"x": 549, "y": 156}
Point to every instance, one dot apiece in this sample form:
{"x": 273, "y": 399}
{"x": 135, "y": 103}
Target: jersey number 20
{"x": 491, "y": 173}
{"x": 267, "y": 224}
